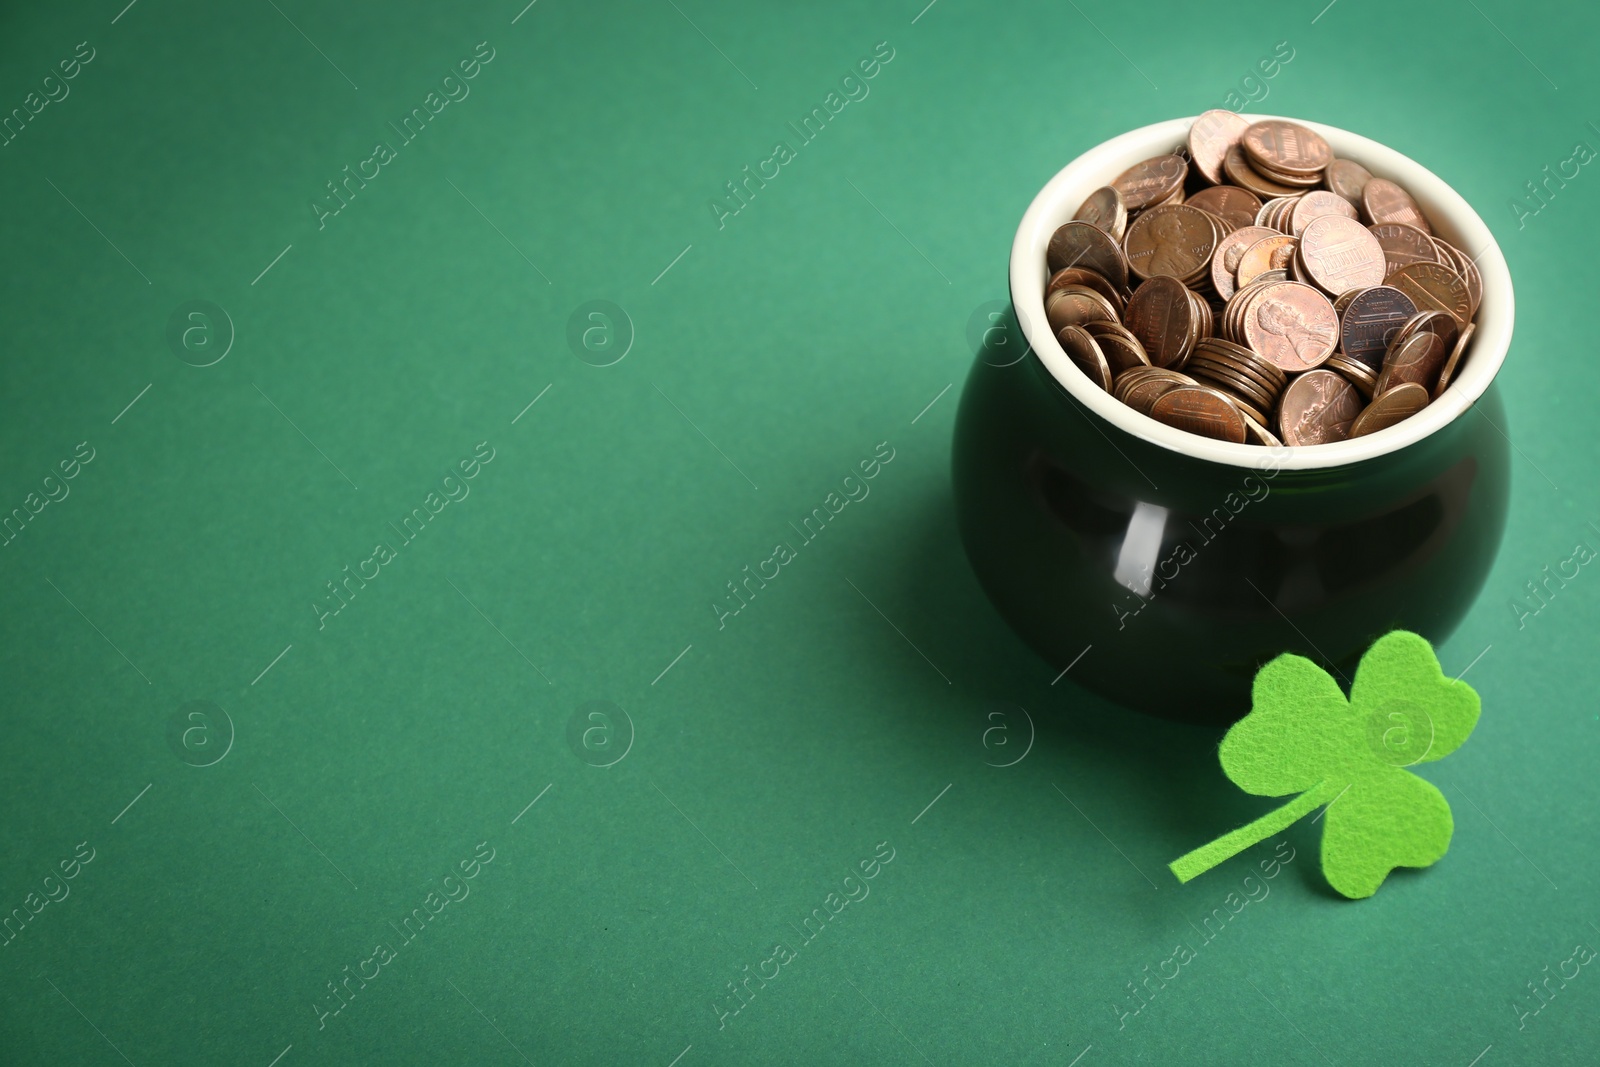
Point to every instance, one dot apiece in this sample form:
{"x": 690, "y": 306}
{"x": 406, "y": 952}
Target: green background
{"x": 777, "y": 752}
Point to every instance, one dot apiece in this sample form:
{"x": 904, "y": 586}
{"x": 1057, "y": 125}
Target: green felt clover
{"x": 1302, "y": 736}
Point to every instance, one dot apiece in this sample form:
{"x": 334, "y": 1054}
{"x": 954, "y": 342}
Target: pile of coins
{"x": 1250, "y": 287}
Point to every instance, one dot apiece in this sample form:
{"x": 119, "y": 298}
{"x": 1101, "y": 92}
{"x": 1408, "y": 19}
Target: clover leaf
{"x": 1302, "y": 736}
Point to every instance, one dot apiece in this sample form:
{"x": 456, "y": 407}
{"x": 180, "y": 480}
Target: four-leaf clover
{"x": 1302, "y": 736}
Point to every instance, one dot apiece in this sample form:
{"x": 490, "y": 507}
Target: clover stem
{"x": 1231, "y": 844}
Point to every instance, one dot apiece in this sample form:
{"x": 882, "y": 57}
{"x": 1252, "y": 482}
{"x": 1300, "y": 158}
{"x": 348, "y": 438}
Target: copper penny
{"x": 1139, "y": 387}
{"x": 1300, "y": 182}
{"x": 1217, "y": 353}
{"x": 1205, "y": 325}
{"x": 1076, "y": 305}
{"x": 1206, "y": 355}
{"x": 1314, "y": 205}
{"x": 1088, "y": 279}
{"x": 1239, "y": 172}
{"x": 1318, "y": 407}
{"x": 1404, "y": 245}
{"x": 1269, "y": 253}
{"x": 1225, "y": 260}
{"x": 1235, "y": 206}
{"x": 1249, "y": 412}
{"x": 1210, "y": 137}
{"x": 1452, "y": 364}
{"x": 1441, "y": 323}
{"x": 1258, "y": 433}
{"x": 1469, "y": 273}
{"x": 1272, "y": 210}
{"x": 1347, "y": 179}
{"x": 1172, "y": 239}
{"x": 1083, "y": 351}
{"x": 1415, "y": 359}
{"x": 1363, "y": 377}
{"x": 1104, "y": 208}
{"x": 1121, "y": 348}
{"x": 1384, "y": 201}
{"x": 1370, "y": 322}
{"x": 1292, "y": 325}
{"x": 1286, "y": 146}
{"x": 1150, "y": 182}
{"x": 1083, "y": 244}
{"x": 1283, "y": 217}
{"x": 1341, "y": 254}
{"x": 1297, "y": 267}
{"x": 1200, "y": 410}
{"x": 1396, "y": 405}
{"x": 1236, "y": 384}
{"x": 1238, "y": 388}
{"x": 1272, "y": 378}
{"x": 1162, "y": 316}
{"x": 1433, "y": 287}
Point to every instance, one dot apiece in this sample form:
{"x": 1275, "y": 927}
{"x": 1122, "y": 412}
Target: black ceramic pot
{"x": 1161, "y": 569}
